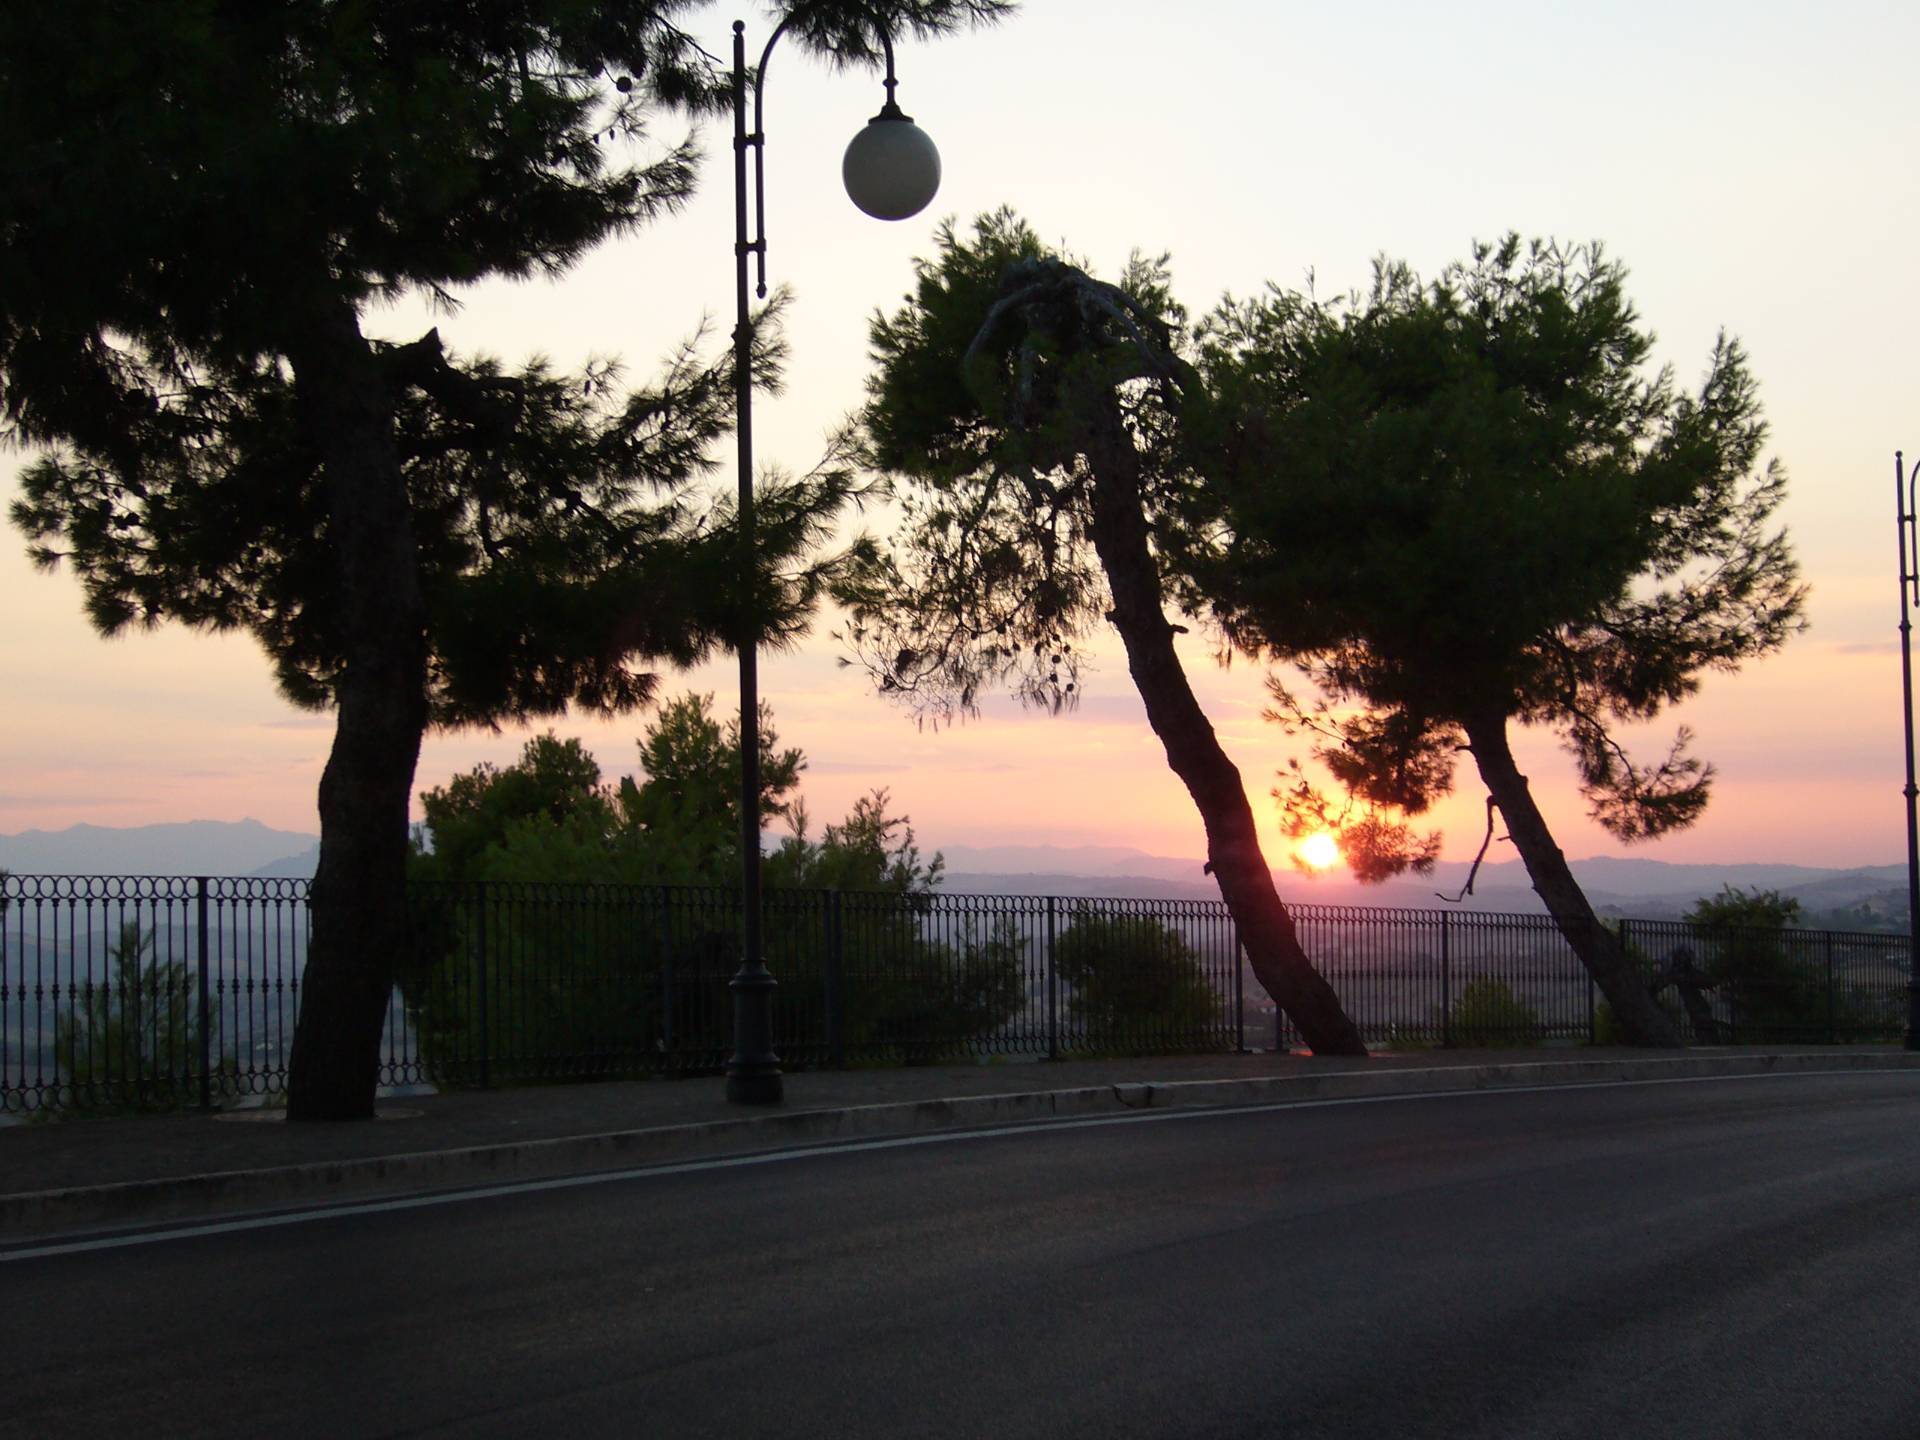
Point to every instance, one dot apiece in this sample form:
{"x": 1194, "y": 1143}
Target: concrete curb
{"x": 142, "y": 1202}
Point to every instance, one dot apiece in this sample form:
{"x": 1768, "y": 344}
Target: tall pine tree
{"x": 1466, "y": 505}
{"x": 1031, "y": 417}
{"x": 199, "y": 202}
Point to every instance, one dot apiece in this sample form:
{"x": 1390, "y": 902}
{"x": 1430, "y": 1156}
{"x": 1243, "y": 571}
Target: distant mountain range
{"x": 192, "y": 847}
{"x": 1867, "y": 896}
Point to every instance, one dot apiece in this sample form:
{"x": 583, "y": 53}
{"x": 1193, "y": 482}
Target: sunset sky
{"x": 1756, "y": 166}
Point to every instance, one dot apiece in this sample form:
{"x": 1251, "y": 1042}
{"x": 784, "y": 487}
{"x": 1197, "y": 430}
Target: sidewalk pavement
{"x": 61, "y": 1175}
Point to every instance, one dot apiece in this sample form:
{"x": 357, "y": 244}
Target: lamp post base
{"x": 753, "y": 1072}
{"x": 757, "y": 1086}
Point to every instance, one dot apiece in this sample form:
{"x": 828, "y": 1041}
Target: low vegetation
{"x": 1135, "y": 984}
{"x": 579, "y": 973}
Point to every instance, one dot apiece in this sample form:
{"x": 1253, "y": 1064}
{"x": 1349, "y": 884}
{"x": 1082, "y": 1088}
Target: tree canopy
{"x": 1467, "y": 503}
{"x": 1030, "y": 418}
{"x": 199, "y": 203}
{"x": 553, "y": 835}
{"x": 1736, "y": 907}
{"x": 551, "y": 817}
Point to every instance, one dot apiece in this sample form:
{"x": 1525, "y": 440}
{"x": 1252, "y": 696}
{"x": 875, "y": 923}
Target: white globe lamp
{"x": 891, "y": 168}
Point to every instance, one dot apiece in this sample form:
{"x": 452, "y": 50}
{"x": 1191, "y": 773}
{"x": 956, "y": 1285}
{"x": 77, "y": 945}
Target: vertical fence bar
{"x": 1446, "y": 981}
{"x": 206, "y": 1030}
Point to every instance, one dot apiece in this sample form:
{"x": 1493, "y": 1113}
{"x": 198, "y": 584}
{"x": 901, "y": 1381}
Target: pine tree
{"x": 199, "y": 203}
{"x": 1031, "y": 417}
{"x": 1463, "y": 505}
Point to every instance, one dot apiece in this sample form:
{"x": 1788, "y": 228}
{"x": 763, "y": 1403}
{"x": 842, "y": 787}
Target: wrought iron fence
{"x": 1414, "y": 978}
{"x": 160, "y": 992}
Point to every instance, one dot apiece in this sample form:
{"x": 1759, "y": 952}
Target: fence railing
{"x": 159, "y": 992}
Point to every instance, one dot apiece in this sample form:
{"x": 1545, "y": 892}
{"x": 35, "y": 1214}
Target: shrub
{"x": 1136, "y": 984}
{"x": 1768, "y": 991}
{"x": 925, "y": 1000}
{"x": 1487, "y": 1012}
{"x": 133, "y": 1041}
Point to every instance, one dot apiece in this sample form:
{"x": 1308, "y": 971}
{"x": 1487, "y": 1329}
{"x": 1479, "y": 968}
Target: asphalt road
{"x": 1728, "y": 1258}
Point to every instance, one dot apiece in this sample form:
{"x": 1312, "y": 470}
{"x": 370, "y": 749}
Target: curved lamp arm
{"x": 890, "y": 173}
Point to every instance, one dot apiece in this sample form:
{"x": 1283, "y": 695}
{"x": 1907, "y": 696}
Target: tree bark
{"x": 1643, "y": 1021}
{"x": 358, "y": 895}
{"x": 1120, "y": 538}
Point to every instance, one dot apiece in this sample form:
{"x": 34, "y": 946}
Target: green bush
{"x": 132, "y": 1042}
{"x": 573, "y": 987}
{"x": 591, "y": 969}
{"x": 1136, "y": 984}
{"x": 1771, "y": 993}
{"x": 923, "y": 1000}
{"x": 1486, "y": 1012}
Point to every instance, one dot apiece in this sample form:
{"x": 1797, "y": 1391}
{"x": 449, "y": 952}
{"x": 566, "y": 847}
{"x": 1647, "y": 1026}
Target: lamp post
{"x": 1903, "y": 499}
{"x": 891, "y": 170}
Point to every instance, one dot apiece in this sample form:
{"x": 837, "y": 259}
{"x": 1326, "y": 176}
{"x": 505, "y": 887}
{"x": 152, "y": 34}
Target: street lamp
{"x": 891, "y": 171}
{"x": 1903, "y": 499}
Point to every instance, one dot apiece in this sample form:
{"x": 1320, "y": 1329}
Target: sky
{"x": 1756, "y": 166}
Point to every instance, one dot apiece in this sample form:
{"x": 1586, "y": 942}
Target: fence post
{"x": 1053, "y": 991}
{"x": 206, "y": 1036}
{"x": 1446, "y": 981}
{"x": 480, "y": 983}
{"x": 1833, "y": 1036}
{"x": 836, "y": 998}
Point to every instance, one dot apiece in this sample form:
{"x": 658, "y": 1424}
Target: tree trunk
{"x": 1120, "y": 538}
{"x": 1643, "y": 1022}
{"x": 359, "y": 890}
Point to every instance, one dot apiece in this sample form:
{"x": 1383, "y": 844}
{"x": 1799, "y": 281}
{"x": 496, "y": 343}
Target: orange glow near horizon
{"x": 1319, "y": 851}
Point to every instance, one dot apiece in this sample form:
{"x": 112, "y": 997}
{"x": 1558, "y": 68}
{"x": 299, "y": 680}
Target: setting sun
{"x": 1319, "y": 851}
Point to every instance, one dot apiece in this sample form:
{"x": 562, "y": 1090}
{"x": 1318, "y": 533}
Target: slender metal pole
{"x": 753, "y": 1072}
{"x": 1904, "y": 508}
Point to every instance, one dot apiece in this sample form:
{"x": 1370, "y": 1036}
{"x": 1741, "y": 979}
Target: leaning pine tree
{"x": 199, "y": 206}
{"x": 1030, "y": 417}
{"x": 1467, "y": 505}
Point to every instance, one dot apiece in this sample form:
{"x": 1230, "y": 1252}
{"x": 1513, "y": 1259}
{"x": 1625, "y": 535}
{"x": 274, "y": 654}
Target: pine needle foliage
{"x": 1473, "y": 497}
{"x": 200, "y": 203}
{"x": 1030, "y": 418}
{"x": 990, "y": 577}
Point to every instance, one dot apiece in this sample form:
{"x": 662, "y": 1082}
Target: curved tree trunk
{"x": 359, "y": 889}
{"x": 1643, "y": 1022}
{"x": 1120, "y": 538}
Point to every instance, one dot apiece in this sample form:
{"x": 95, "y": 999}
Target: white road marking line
{"x": 847, "y": 1147}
